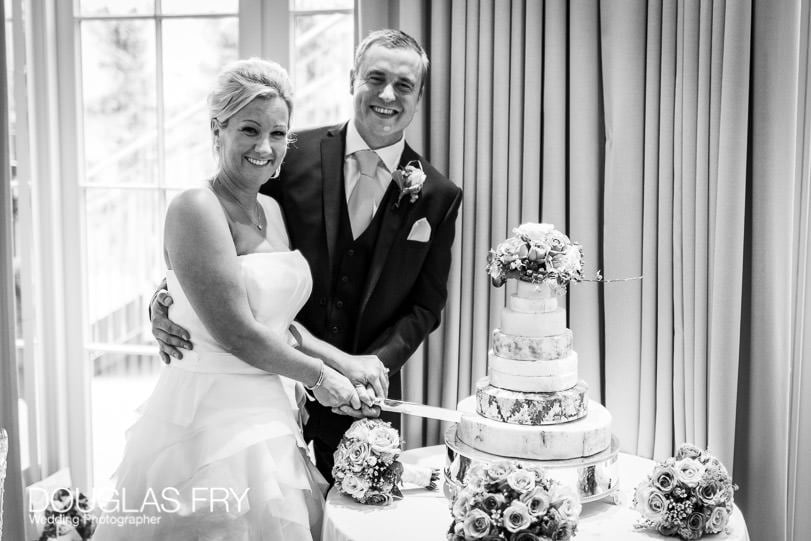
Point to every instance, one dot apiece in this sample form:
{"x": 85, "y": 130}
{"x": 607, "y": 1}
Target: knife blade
{"x": 420, "y": 410}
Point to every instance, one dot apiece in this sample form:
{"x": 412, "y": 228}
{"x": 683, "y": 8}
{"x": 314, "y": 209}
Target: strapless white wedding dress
{"x": 218, "y": 451}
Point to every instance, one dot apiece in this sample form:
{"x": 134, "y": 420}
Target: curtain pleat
{"x": 728, "y": 212}
{"x": 761, "y": 451}
{"x": 585, "y": 151}
{"x": 555, "y": 102}
{"x": 531, "y": 131}
{"x": 662, "y": 276}
{"x": 623, "y": 64}
{"x": 799, "y": 471}
{"x": 500, "y": 192}
{"x": 650, "y": 319}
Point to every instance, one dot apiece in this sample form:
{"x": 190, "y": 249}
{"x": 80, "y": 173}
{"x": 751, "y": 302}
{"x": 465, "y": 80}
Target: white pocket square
{"x": 420, "y": 231}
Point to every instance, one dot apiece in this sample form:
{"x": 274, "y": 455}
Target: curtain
{"x": 771, "y": 433}
{"x": 622, "y": 123}
{"x": 672, "y": 140}
{"x": 11, "y": 521}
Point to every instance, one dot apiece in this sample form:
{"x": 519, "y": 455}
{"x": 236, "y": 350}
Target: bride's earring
{"x": 277, "y": 172}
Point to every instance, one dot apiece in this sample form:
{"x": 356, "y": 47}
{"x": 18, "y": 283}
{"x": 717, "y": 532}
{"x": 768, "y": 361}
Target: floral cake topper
{"x": 537, "y": 253}
{"x": 410, "y": 180}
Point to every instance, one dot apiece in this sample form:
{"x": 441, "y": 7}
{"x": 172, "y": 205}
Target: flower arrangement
{"x": 367, "y": 468}
{"x": 510, "y": 501}
{"x": 537, "y": 253}
{"x": 410, "y": 180}
{"x": 69, "y": 513}
{"x": 688, "y": 495}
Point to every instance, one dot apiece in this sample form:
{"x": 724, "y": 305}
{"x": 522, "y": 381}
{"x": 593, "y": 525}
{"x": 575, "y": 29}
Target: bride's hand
{"x": 367, "y": 405}
{"x": 336, "y": 390}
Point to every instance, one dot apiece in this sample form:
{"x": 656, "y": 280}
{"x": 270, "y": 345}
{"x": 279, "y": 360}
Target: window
{"x": 143, "y": 69}
{"x": 321, "y": 59}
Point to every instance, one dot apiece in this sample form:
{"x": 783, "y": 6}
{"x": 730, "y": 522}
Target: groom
{"x": 375, "y": 222}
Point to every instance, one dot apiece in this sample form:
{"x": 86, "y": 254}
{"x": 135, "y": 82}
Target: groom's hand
{"x": 170, "y": 336}
{"x": 369, "y": 372}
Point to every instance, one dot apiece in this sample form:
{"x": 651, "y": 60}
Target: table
{"x": 424, "y": 514}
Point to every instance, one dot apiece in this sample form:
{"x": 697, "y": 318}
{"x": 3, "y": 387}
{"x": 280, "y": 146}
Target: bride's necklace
{"x": 261, "y": 215}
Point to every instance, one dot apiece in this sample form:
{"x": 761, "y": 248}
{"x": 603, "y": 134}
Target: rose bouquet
{"x": 511, "y": 501}
{"x": 367, "y": 467}
{"x": 537, "y": 253}
{"x": 688, "y": 495}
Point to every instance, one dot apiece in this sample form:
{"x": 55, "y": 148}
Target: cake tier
{"x": 531, "y": 408}
{"x": 542, "y": 324}
{"x": 555, "y": 367}
{"x": 532, "y": 384}
{"x": 530, "y": 348}
{"x": 533, "y": 298}
{"x": 532, "y": 306}
{"x": 584, "y": 437}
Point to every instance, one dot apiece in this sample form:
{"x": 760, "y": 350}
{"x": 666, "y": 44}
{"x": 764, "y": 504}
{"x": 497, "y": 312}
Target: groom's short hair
{"x": 392, "y": 39}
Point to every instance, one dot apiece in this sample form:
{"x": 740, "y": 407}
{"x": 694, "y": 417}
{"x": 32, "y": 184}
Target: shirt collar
{"x": 390, "y": 155}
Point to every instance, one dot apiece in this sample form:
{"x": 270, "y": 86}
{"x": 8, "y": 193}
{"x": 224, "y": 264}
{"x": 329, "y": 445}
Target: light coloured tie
{"x": 367, "y": 192}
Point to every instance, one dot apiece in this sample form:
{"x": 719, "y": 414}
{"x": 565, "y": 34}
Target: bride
{"x": 218, "y": 452}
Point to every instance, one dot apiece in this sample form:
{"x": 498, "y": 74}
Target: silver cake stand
{"x": 593, "y": 477}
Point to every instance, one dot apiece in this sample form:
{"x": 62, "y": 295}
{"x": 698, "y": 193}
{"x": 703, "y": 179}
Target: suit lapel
{"x": 332, "y": 170}
{"x": 393, "y": 220}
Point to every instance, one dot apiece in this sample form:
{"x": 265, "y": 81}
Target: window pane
{"x": 301, "y": 5}
{"x": 323, "y": 58}
{"x": 194, "y": 52}
{"x": 124, "y": 236}
{"x": 116, "y": 7}
{"x": 118, "y": 85}
{"x": 185, "y": 7}
{"x": 121, "y": 383}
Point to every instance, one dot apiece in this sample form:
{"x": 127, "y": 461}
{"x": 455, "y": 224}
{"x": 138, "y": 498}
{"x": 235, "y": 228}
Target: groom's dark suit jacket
{"x": 401, "y": 287}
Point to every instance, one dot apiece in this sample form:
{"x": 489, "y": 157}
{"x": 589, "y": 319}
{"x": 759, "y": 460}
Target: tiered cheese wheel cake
{"x": 532, "y": 404}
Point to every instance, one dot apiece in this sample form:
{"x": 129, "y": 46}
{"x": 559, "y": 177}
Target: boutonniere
{"x": 410, "y": 180}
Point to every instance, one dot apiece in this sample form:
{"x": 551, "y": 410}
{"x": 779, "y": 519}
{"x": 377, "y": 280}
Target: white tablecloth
{"x": 424, "y": 514}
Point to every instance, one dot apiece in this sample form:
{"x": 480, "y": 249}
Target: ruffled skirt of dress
{"x": 216, "y": 456}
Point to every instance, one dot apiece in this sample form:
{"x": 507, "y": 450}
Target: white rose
{"x": 535, "y": 231}
{"x": 358, "y": 431}
{"x": 718, "y": 520}
{"x": 689, "y": 471}
{"x": 357, "y": 453}
{"x": 354, "y": 486}
{"x": 521, "y": 480}
{"x": 650, "y": 502}
{"x": 462, "y": 504}
{"x": 384, "y": 440}
{"x": 516, "y": 517}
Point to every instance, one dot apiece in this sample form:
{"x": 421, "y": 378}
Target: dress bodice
{"x": 277, "y": 285}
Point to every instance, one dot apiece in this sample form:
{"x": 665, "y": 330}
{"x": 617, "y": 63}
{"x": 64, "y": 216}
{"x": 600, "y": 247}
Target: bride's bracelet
{"x": 321, "y": 375}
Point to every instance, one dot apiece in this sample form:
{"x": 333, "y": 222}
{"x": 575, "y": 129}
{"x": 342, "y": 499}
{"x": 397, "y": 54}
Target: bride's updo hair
{"x": 241, "y": 82}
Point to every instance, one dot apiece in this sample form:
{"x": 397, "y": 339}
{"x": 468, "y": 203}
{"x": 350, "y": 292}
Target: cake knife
{"x": 420, "y": 410}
